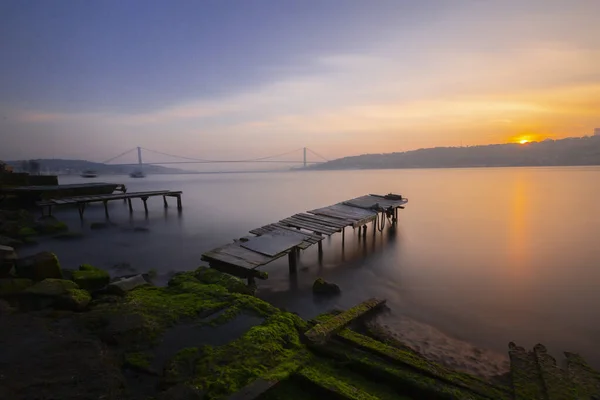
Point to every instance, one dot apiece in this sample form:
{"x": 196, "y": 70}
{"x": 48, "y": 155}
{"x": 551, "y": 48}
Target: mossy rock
{"x": 39, "y": 267}
{"x": 52, "y": 287}
{"x": 139, "y": 361}
{"x": 48, "y": 226}
{"x": 26, "y": 231}
{"x": 321, "y": 287}
{"x": 213, "y": 277}
{"x": 13, "y": 286}
{"x": 91, "y": 278}
{"x": 75, "y": 300}
{"x": 68, "y": 236}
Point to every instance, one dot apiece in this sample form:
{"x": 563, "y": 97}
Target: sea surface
{"x": 480, "y": 257}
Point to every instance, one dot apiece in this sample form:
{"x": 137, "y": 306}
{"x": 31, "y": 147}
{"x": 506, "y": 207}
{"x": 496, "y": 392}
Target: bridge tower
{"x": 305, "y": 157}
{"x": 139, "y": 149}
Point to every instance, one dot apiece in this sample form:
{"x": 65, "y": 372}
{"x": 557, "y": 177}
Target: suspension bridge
{"x": 307, "y": 157}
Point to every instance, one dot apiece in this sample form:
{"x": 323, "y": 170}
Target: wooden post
{"x": 145, "y": 204}
{"x": 165, "y": 201}
{"x": 292, "y": 260}
{"x": 105, "y": 208}
{"x": 130, "y": 207}
{"x": 343, "y": 235}
{"x": 374, "y": 227}
{"x": 179, "y": 202}
{"x": 320, "y": 247}
{"x": 359, "y": 231}
{"x": 81, "y": 208}
{"x": 364, "y": 230}
{"x": 396, "y": 215}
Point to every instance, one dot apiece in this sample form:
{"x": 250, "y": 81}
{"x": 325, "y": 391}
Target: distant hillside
{"x": 59, "y": 166}
{"x": 571, "y": 151}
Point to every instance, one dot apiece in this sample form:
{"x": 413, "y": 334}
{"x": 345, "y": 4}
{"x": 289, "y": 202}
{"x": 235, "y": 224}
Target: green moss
{"x": 138, "y": 360}
{"x": 322, "y": 331}
{"x": 182, "y": 366}
{"x": 13, "y": 286}
{"x": 231, "y": 283}
{"x": 405, "y": 381}
{"x": 26, "y": 232}
{"x": 423, "y": 366}
{"x": 289, "y": 389}
{"x": 52, "y": 287}
{"x": 91, "y": 278}
{"x": 77, "y": 299}
{"x": 345, "y": 384}
{"x": 226, "y": 369}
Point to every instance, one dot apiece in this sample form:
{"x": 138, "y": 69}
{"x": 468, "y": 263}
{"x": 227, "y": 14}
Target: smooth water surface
{"x": 485, "y": 256}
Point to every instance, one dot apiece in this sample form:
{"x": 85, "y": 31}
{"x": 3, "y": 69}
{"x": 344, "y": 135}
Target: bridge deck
{"x": 82, "y": 201}
{"x": 297, "y": 232}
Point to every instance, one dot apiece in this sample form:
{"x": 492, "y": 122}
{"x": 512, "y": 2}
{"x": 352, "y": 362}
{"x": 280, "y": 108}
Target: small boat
{"x": 89, "y": 174}
{"x": 137, "y": 174}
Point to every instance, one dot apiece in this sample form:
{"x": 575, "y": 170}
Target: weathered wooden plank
{"x": 368, "y": 201}
{"x": 322, "y": 220}
{"x": 323, "y": 331}
{"x": 272, "y": 243}
{"x": 356, "y": 213}
{"x": 424, "y": 367}
{"x": 312, "y": 236}
{"x": 556, "y": 382}
{"x": 236, "y": 250}
{"x": 313, "y": 224}
{"x": 307, "y": 225}
{"x": 237, "y": 271}
{"x": 227, "y": 259}
{"x": 526, "y": 378}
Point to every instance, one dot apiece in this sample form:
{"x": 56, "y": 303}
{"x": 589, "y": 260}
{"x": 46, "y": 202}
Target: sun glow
{"x": 523, "y": 141}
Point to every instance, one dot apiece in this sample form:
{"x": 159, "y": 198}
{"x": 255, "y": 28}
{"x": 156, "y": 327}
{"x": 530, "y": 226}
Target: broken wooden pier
{"x": 82, "y": 201}
{"x": 244, "y": 256}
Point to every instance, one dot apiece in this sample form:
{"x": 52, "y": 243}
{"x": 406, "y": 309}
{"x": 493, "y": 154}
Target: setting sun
{"x": 523, "y": 141}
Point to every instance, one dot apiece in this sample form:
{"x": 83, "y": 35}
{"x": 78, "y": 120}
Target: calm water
{"x": 484, "y": 256}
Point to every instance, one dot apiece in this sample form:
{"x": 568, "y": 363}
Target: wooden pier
{"x": 83, "y": 201}
{"x": 244, "y": 256}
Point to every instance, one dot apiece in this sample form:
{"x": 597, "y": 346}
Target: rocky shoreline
{"x": 78, "y": 333}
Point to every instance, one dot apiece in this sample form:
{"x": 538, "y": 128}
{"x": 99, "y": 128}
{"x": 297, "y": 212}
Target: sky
{"x": 224, "y": 79}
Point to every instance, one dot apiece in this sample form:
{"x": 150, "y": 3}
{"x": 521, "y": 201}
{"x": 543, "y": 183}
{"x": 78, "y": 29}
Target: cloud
{"x": 422, "y": 98}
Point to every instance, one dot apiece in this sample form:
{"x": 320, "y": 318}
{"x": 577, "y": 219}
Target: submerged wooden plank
{"x": 322, "y": 332}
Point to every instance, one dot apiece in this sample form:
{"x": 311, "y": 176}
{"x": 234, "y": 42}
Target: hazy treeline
{"x": 570, "y": 151}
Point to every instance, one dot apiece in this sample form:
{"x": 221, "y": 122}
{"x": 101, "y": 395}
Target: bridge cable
{"x": 221, "y": 161}
{"x": 316, "y": 154}
{"x": 120, "y": 155}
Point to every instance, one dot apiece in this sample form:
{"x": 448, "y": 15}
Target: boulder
{"x": 5, "y": 308}
{"x": 39, "y": 267}
{"x": 123, "y": 286}
{"x": 52, "y": 287}
{"x": 74, "y": 299}
{"x": 321, "y": 287}
{"x": 91, "y": 278}
{"x": 50, "y": 225}
{"x": 13, "y": 286}
{"x": 8, "y": 256}
{"x": 26, "y": 231}
{"x": 7, "y": 241}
